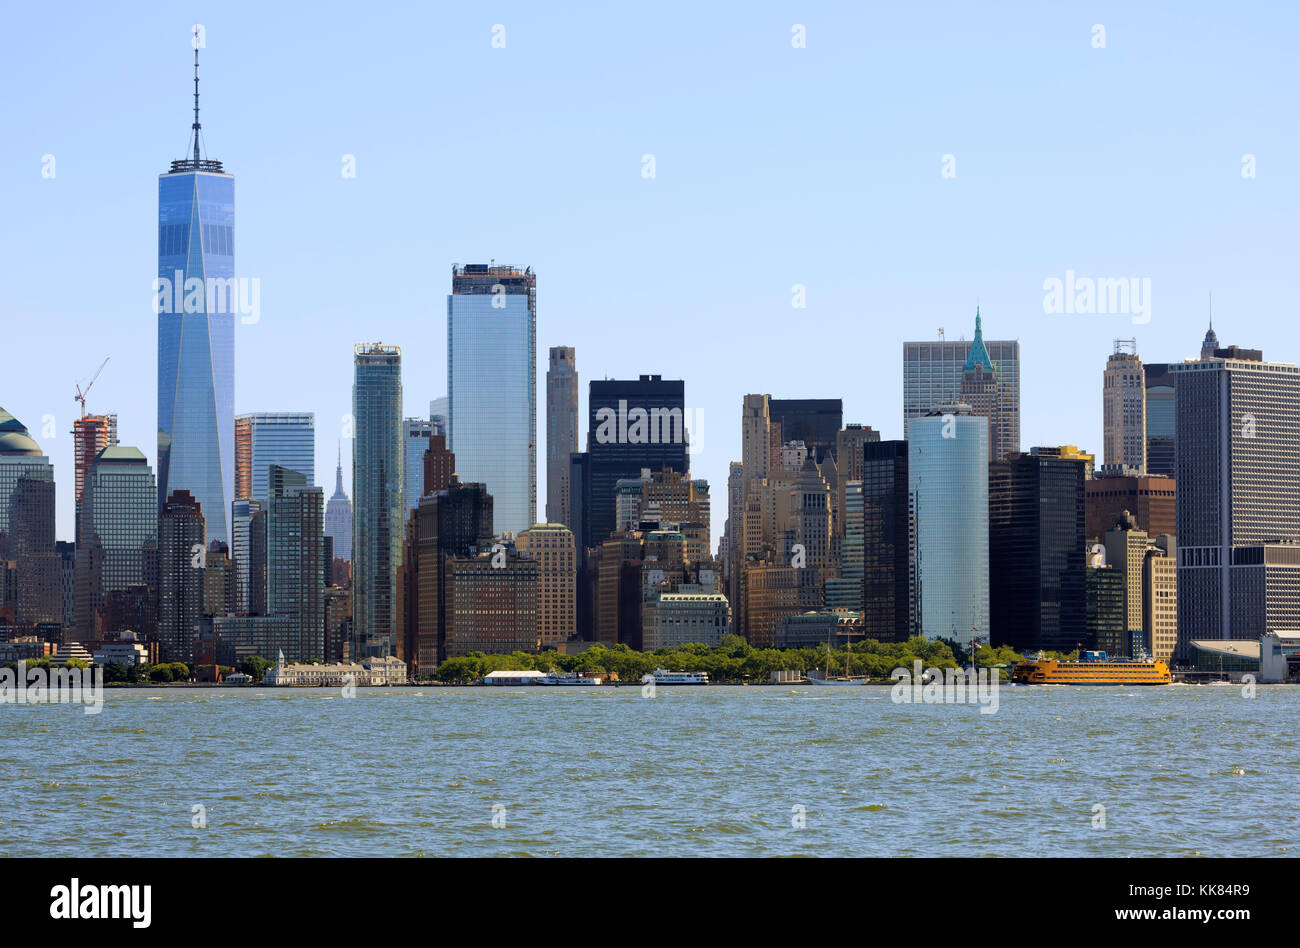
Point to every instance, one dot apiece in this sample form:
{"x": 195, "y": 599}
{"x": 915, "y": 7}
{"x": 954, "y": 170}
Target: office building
{"x": 684, "y": 617}
{"x": 119, "y": 533}
{"x": 181, "y": 550}
{"x": 90, "y": 435}
{"x": 295, "y": 551}
{"x": 491, "y": 604}
{"x": 948, "y": 472}
{"x": 377, "y": 498}
{"x": 886, "y": 542}
{"x": 449, "y": 523}
{"x": 1238, "y": 501}
{"x": 196, "y": 332}
{"x": 1150, "y": 499}
{"x": 338, "y": 517}
{"x": 492, "y": 379}
{"x": 631, "y": 425}
{"x": 552, "y": 546}
{"x": 1036, "y": 552}
{"x": 561, "y": 431}
{"x": 937, "y": 373}
{"x": 266, "y": 438}
{"x": 1124, "y": 417}
{"x": 1161, "y": 422}
{"x": 415, "y": 442}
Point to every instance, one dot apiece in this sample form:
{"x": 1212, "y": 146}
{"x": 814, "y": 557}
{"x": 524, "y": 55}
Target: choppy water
{"x": 1181, "y": 771}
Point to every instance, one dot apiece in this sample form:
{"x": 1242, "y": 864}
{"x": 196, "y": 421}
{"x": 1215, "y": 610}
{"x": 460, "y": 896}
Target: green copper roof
{"x": 978, "y": 354}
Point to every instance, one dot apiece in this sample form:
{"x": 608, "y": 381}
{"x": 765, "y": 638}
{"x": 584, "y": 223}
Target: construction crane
{"x": 81, "y": 395}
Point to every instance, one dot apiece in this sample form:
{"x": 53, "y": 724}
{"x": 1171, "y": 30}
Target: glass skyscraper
{"x": 377, "y": 502}
{"x": 492, "y": 380}
{"x": 415, "y": 441}
{"x": 948, "y": 478}
{"x": 265, "y": 438}
{"x": 196, "y": 334}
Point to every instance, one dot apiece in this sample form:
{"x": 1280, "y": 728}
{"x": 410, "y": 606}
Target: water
{"x": 715, "y": 771}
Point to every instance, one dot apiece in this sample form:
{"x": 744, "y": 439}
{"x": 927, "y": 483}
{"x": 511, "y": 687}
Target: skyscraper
{"x": 181, "y": 553}
{"x": 338, "y": 517}
{"x": 377, "y": 495}
{"x": 1238, "y": 501}
{"x": 814, "y": 421}
{"x": 415, "y": 442}
{"x": 20, "y": 457}
{"x": 119, "y": 532}
{"x": 31, "y": 546}
{"x": 294, "y": 560}
{"x": 937, "y": 373}
{"x": 1124, "y": 416}
{"x": 1036, "y": 551}
{"x": 561, "y": 431}
{"x": 492, "y": 379}
{"x": 948, "y": 478}
{"x": 551, "y": 545}
{"x": 266, "y": 438}
{"x": 886, "y": 542}
{"x": 90, "y": 435}
{"x": 631, "y": 425}
{"x": 196, "y": 332}
{"x": 1160, "y": 421}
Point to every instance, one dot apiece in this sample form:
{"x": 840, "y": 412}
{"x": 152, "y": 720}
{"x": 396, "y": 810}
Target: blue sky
{"x": 774, "y": 165}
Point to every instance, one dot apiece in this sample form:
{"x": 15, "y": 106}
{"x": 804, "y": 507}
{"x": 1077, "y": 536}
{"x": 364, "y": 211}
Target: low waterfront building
{"x": 814, "y": 629}
{"x": 684, "y": 617}
{"x": 121, "y": 653}
{"x": 512, "y": 677}
{"x": 371, "y": 672}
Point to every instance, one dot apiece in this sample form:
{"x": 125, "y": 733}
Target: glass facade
{"x": 948, "y": 479}
{"x": 1160, "y": 419}
{"x": 933, "y": 373}
{"x": 196, "y": 349}
{"x": 415, "y": 441}
{"x": 376, "y": 494}
{"x": 265, "y": 438}
{"x": 119, "y": 530}
{"x": 492, "y": 375}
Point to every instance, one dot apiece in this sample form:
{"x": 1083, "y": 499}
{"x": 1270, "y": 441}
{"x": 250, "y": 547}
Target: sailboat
{"x": 845, "y": 679}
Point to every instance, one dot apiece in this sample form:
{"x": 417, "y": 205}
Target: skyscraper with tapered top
{"x": 196, "y": 331}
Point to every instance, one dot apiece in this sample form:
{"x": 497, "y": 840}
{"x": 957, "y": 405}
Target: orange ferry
{"x": 1093, "y": 668}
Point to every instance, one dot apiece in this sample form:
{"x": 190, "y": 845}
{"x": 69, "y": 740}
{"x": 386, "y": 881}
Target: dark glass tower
{"x": 196, "y": 333}
{"x": 814, "y": 421}
{"x": 886, "y": 539}
{"x": 1037, "y": 552}
{"x": 633, "y": 424}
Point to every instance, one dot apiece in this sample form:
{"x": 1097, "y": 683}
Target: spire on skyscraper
{"x": 196, "y": 125}
{"x": 978, "y": 355}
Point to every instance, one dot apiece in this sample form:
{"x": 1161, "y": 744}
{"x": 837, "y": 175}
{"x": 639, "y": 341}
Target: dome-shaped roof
{"x": 14, "y": 438}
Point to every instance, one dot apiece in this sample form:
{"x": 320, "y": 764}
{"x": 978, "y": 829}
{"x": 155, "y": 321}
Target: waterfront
{"x": 1182, "y": 770}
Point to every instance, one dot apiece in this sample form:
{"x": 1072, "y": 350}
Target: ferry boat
{"x": 569, "y": 678}
{"x": 1092, "y": 668}
{"x": 662, "y": 676}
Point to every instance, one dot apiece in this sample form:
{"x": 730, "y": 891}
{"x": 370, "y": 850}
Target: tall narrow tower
{"x": 196, "y": 332}
{"x": 1124, "y": 415}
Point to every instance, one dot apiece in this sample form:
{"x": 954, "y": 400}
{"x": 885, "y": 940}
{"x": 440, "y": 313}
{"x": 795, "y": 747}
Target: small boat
{"x": 570, "y": 679}
{"x": 662, "y": 676}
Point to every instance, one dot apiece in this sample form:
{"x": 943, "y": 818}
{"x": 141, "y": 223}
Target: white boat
{"x": 569, "y": 678}
{"x": 662, "y": 676}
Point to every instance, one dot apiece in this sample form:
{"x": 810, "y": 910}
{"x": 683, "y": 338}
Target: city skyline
{"x": 1242, "y": 260}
